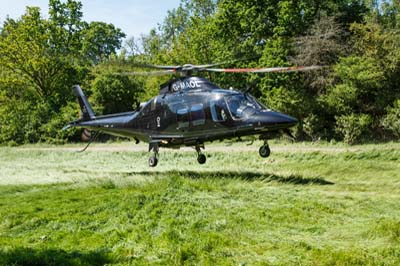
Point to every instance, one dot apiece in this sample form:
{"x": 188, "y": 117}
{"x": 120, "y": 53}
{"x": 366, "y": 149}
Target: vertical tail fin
{"x": 86, "y": 109}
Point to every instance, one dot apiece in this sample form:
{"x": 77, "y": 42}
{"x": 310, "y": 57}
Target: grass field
{"x": 305, "y": 205}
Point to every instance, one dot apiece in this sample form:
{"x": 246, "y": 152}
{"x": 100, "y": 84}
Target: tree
{"x": 353, "y": 127}
{"x": 391, "y": 121}
{"x": 368, "y": 79}
{"x": 115, "y": 93}
{"x": 26, "y": 52}
{"x": 100, "y": 40}
{"x": 40, "y": 59}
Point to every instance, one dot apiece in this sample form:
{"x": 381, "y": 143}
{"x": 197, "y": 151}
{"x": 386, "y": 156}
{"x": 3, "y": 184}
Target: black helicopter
{"x": 190, "y": 111}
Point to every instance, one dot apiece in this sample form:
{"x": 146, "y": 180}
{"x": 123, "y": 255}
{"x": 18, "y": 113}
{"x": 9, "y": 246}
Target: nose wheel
{"x": 201, "y": 158}
{"x": 153, "y": 160}
{"x": 264, "y": 150}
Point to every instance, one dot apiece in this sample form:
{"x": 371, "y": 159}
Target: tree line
{"x": 354, "y": 98}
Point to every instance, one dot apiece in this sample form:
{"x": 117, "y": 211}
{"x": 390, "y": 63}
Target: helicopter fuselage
{"x": 188, "y": 112}
{"x": 192, "y": 118}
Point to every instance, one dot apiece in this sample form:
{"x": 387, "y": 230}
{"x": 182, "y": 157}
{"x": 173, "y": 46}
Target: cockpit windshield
{"x": 241, "y": 105}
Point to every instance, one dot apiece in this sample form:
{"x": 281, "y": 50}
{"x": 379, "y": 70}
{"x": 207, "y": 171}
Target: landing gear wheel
{"x": 264, "y": 151}
{"x": 201, "y": 158}
{"x": 153, "y": 161}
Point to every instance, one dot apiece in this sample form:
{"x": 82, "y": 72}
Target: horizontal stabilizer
{"x": 66, "y": 127}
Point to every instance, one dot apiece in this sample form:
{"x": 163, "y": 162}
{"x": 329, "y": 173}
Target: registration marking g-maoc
{"x": 192, "y": 84}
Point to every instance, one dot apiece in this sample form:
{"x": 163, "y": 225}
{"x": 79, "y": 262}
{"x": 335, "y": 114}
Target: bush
{"x": 391, "y": 121}
{"x": 113, "y": 94}
{"x": 52, "y": 131}
{"x": 23, "y": 122}
{"x": 288, "y": 101}
{"x": 19, "y": 122}
{"x": 340, "y": 99}
{"x": 353, "y": 127}
{"x": 314, "y": 126}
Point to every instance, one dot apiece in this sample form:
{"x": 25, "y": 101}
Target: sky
{"x": 133, "y": 17}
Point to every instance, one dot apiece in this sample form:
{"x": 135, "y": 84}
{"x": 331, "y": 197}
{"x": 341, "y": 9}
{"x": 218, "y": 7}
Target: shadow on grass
{"x": 32, "y": 257}
{"x": 246, "y": 176}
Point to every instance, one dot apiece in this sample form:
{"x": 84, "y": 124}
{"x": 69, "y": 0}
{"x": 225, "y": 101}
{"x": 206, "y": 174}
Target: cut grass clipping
{"x": 306, "y": 204}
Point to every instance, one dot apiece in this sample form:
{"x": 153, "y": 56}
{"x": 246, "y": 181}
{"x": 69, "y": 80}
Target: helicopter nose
{"x": 275, "y": 119}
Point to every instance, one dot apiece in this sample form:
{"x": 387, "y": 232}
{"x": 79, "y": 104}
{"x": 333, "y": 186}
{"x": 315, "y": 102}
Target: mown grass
{"x": 299, "y": 207}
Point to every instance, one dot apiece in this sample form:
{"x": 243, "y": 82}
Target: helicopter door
{"x": 182, "y": 117}
{"x": 197, "y": 115}
{"x": 218, "y": 110}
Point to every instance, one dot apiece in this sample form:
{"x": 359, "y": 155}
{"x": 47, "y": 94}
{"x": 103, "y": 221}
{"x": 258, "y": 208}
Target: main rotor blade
{"x": 201, "y": 67}
{"x": 264, "y": 70}
{"x": 185, "y": 67}
{"x": 157, "y": 66}
{"x": 149, "y": 73}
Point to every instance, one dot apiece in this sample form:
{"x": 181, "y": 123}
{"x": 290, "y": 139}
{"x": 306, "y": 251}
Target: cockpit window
{"x": 241, "y": 105}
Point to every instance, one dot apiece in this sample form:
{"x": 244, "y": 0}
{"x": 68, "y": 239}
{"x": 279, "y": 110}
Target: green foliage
{"x": 341, "y": 99}
{"x": 360, "y": 89}
{"x": 115, "y": 93}
{"x": 361, "y": 73}
{"x": 316, "y": 126}
{"x": 100, "y": 41}
{"x": 40, "y": 60}
{"x": 391, "y": 121}
{"x": 287, "y": 101}
{"x": 27, "y": 52}
{"x": 51, "y": 130}
{"x": 368, "y": 81}
{"x": 353, "y": 127}
{"x": 15, "y": 121}
{"x": 25, "y": 122}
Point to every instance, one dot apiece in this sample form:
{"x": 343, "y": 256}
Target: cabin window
{"x": 175, "y": 106}
{"x": 218, "y": 112}
{"x": 182, "y": 116}
{"x": 197, "y": 115}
